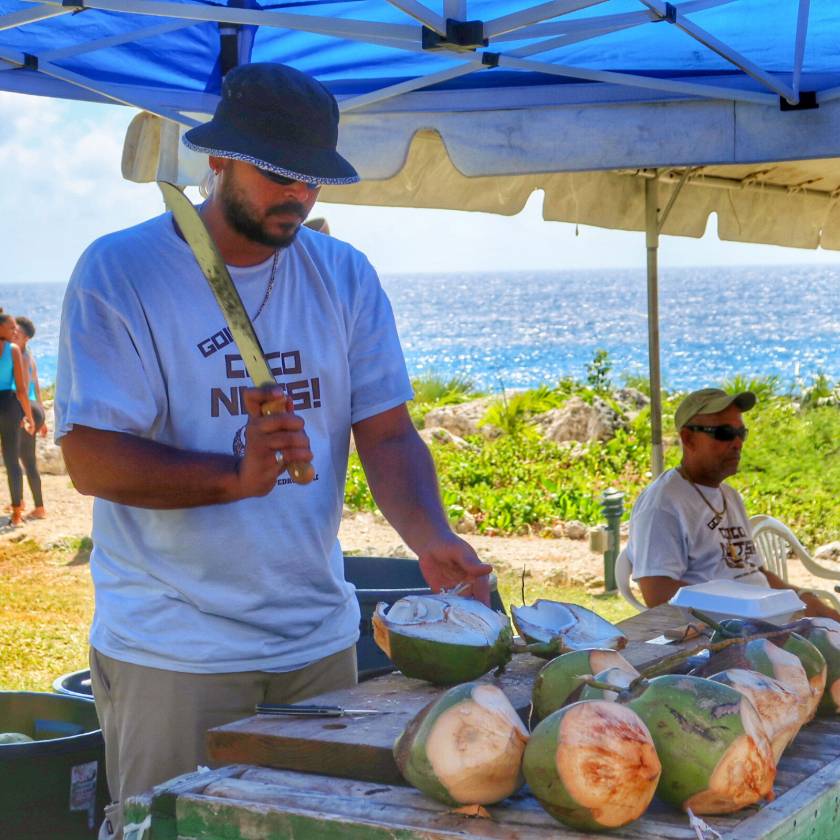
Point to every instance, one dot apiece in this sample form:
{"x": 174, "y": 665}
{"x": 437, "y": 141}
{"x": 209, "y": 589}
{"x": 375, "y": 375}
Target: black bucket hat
{"x": 278, "y": 119}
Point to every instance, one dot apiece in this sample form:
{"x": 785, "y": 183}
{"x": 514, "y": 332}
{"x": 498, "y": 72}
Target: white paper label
{"x": 83, "y": 789}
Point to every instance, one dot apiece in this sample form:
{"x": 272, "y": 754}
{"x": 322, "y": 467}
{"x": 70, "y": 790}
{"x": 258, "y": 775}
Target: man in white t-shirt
{"x": 219, "y": 582}
{"x": 688, "y": 526}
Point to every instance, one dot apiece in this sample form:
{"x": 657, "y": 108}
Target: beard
{"x": 240, "y": 214}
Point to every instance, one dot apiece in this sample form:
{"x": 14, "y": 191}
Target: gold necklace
{"x": 718, "y": 514}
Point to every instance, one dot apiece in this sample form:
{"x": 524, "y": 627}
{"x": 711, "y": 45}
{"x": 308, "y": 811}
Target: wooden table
{"x": 363, "y": 795}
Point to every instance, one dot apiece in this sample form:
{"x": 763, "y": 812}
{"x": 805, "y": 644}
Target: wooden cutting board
{"x": 360, "y": 747}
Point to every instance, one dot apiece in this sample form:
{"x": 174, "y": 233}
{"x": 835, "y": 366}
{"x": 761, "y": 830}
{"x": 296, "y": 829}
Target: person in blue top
{"x": 25, "y": 332}
{"x": 15, "y": 412}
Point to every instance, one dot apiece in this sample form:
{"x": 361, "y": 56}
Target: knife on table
{"x": 292, "y": 710}
{"x": 218, "y": 277}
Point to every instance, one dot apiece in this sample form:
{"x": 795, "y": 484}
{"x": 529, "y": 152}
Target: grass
{"x": 46, "y": 605}
{"x": 609, "y": 606}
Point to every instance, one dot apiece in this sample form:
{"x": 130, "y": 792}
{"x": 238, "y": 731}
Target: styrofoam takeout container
{"x": 721, "y": 599}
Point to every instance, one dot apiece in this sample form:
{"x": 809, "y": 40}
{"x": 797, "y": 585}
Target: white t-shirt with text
{"x": 675, "y": 534}
{"x": 256, "y": 584}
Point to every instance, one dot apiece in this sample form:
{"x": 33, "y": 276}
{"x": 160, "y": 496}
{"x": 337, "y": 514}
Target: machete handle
{"x": 300, "y": 473}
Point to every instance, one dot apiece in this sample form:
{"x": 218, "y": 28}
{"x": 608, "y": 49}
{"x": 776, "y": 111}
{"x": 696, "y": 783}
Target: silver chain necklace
{"x": 269, "y": 287}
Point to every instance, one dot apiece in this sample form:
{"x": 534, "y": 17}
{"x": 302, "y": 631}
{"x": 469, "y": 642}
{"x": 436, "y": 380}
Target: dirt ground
{"x": 561, "y": 560}
{"x": 558, "y": 561}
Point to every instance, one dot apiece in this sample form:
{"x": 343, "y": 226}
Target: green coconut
{"x": 779, "y": 708}
{"x": 465, "y": 748}
{"x": 444, "y": 639}
{"x": 592, "y": 765}
{"x": 563, "y": 627}
{"x": 771, "y": 660}
{"x": 716, "y": 756}
{"x": 824, "y": 634}
{"x": 798, "y": 644}
{"x": 14, "y": 738}
{"x": 560, "y": 681}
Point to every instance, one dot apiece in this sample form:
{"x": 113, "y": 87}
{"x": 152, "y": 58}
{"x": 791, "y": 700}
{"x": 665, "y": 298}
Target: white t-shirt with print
{"x": 256, "y": 584}
{"x": 675, "y": 534}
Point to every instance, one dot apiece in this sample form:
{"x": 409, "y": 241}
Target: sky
{"x": 62, "y": 188}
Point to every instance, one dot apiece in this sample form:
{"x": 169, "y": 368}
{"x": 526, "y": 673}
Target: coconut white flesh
{"x": 475, "y": 748}
{"x": 14, "y": 738}
{"x": 745, "y": 773}
{"x": 443, "y": 618}
{"x": 579, "y": 627}
{"x": 779, "y": 708}
{"x": 607, "y": 762}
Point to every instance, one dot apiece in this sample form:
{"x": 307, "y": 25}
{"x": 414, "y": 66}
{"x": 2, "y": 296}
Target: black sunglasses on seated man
{"x": 723, "y": 433}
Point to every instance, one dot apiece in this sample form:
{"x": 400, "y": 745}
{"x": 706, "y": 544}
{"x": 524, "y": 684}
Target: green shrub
{"x": 790, "y": 466}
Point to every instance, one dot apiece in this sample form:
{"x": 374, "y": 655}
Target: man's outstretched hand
{"x": 451, "y": 561}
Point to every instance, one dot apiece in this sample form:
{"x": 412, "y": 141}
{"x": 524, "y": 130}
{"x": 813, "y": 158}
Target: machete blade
{"x": 218, "y": 278}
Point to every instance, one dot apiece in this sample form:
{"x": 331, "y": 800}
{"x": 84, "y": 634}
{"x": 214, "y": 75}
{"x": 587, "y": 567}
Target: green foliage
{"x": 520, "y": 482}
{"x": 598, "y": 371}
{"x": 435, "y": 389}
{"x": 357, "y": 494}
{"x": 819, "y": 392}
{"x": 765, "y": 388}
{"x": 511, "y": 412}
{"x": 432, "y": 391}
{"x": 790, "y": 468}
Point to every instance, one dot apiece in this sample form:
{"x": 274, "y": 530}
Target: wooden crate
{"x": 243, "y": 802}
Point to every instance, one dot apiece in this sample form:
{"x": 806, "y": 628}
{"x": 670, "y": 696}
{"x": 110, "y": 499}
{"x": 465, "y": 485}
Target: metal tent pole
{"x": 652, "y": 227}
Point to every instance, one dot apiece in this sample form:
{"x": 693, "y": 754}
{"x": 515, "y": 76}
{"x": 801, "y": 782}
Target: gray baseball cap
{"x": 710, "y": 401}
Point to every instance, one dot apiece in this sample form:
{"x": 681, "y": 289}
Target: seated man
{"x": 688, "y": 527}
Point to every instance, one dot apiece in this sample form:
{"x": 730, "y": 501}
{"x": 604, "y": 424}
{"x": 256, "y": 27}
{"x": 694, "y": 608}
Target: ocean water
{"x": 522, "y": 329}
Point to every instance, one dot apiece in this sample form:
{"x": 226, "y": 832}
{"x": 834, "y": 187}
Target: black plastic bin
{"x": 76, "y": 684}
{"x": 387, "y": 579}
{"x": 54, "y": 786}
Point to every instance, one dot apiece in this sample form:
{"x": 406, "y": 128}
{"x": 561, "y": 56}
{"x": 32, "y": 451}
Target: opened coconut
{"x": 716, "y": 757}
{"x": 444, "y": 639}
{"x": 560, "y": 681}
{"x": 778, "y": 707}
{"x": 465, "y": 748}
{"x": 563, "y": 627}
{"x": 592, "y": 765}
{"x": 824, "y": 634}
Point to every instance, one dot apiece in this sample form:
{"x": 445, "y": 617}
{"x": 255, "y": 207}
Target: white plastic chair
{"x": 775, "y": 541}
{"x": 622, "y": 581}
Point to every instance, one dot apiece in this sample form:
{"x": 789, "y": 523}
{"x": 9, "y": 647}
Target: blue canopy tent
{"x": 634, "y": 114}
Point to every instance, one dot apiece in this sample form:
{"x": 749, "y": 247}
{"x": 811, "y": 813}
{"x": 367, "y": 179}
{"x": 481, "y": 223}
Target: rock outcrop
{"x": 579, "y": 421}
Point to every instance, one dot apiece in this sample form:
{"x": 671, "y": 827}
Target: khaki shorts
{"x": 154, "y": 721}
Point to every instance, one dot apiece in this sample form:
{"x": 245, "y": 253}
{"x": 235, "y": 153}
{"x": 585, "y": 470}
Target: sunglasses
{"x": 723, "y": 433}
{"x": 282, "y": 179}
